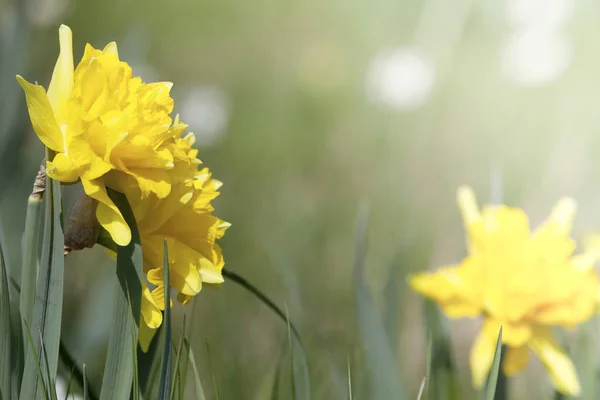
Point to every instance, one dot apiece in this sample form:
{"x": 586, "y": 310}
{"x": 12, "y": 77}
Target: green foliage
{"x": 385, "y": 380}
{"x": 494, "y": 389}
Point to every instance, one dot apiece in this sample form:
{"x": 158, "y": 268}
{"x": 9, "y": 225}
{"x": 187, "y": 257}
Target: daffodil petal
{"x": 482, "y": 355}
{"x": 150, "y": 311}
{"x": 107, "y": 212}
{"x": 472, "y": 217}
{"x": 515, "y": 359}
{"x": 557, "y": 363}
{"x": 42, "y": 116}
{"x": 146, "y": 334}
{"x": 111, "y": 48}
{"x": 560, "y": 221}
{"x": 448, "y": 288}
{"x": 62, "y": 168}
{"x": 62, "y": 78}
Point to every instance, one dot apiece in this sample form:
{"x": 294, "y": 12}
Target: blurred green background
{"x": 306, "y": 110}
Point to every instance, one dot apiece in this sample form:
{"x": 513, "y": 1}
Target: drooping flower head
{"x": 524, "y": 281}
{"x": 185, "y": 220}
{"x": 99, "y": 119}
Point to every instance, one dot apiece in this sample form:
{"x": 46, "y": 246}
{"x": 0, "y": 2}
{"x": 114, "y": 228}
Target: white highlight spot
{"x": 536, "y": 56}
{"x": 400, "y": 78}
{"x": 205, "y": 110}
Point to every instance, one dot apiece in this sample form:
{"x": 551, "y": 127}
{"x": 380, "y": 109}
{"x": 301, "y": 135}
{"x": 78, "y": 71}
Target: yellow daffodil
{"x": 185, "y": 219}
{"x": 101, "y": 120}
{"x": 524, "y": 281}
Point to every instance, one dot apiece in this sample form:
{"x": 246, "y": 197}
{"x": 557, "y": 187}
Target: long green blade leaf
{"x": 212, "y": 371}
{"x": 490, "y": 391}
{"x": 149, "y": 364}
{"x": 178, "y": 367}
{"x": 5, "y": 332}
{"x": 47, "y": 311}
{"x": 85, "y": 386}
{"x": 442, "y": 379}
{"x": 43, "y": 389}
{"x": 198, "y": 384}
{"x": 31, "y": 254}
{"x": 164, "y": 388}
{"x": 118, "y": 369}
{"x": 384, "y": 373}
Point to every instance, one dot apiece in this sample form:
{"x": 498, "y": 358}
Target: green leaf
{"x": 50, "y": 383}
{"x": 291, "y": 350}
{"x": 86, "y": 395}
{"x": 47, "y": 310}
{"x": 34, "y": 229}
{"x": 490, "y": 389}
{"x": 281, "y": 314}
{"x": 177, "y": 366}
{"x": 149, "y": 365}
{"x": 119, "y": 369}
{"x": 134, "y": 360}
{"x": 70, "y": 363}
{"x": 198, "y": 384}
{"x": 6, "y": 390}
{"x": 384, "y": 373}
{"x": 349, "y": 379}
{"x": 442, "y": 379}
{"x": 212, "y": 371}
{"x": 43, "y": 389}
{"x": 164, "y": 387}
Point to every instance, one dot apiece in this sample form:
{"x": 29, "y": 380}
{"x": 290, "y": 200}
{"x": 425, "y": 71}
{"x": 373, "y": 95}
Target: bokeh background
{"x": 308, "y": 111}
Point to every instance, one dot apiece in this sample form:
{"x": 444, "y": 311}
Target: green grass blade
{"x": 134, "y": 360}
{"x": 69, "y": 362}
{"x": 177, "y": 366}
{"x": 43, "y": 391}
{"x": 119, "y": 369}
{"x": 51, "y": 383}
{"x": 47, "y": 310}
{"x": 188, "y": 339}
{"x": 281, "y": 314}
{"x": 197, "y": 382}
{"x": 164, "y": 387}
{"x": 5, "y": 332}
{"x": 442, "y": 378}
{"x": 243, "y": 282}
{"x": 384, "y": 373}
{"x": 291, "y": 350}
{"x": 149, "y": 365}
{"x": 490, "y": 390}
{"x": 69, "y": 384}
{"x": 212, "y": 371}
{"x": 349, "y": 379}
{"x": 421, "y": 388}
{"x": 86, "y": 395}
{"x": 31, "y": 254}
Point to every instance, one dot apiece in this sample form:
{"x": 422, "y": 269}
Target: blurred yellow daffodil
{"x": 101, "y": 120}
{"x": 524, "y": 281}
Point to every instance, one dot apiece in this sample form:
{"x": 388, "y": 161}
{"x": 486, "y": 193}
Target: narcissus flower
{"x": 185, "y": 219}
{"x": 524, "y": 281}
{"x": 99, "y": 119}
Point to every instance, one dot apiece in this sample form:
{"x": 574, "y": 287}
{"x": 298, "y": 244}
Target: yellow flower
{"x": 524, "y": 281}
{"x": 185, "y": 219}
{"x": 99, "y": 119}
